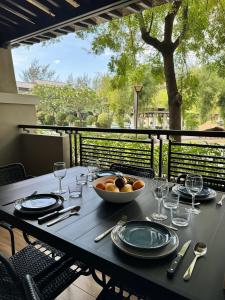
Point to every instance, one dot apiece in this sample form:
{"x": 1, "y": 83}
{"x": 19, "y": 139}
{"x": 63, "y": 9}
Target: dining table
{"x": 75, "y": 236}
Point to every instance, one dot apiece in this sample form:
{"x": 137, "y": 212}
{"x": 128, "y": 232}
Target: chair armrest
{"x": 30, "y": 288}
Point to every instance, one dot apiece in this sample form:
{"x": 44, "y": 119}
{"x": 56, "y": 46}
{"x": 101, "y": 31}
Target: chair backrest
{"x": 133, "y": 170}
{"x": 12, "y": 173}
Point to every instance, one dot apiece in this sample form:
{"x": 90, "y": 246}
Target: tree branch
{"x": 146, "y": 36}
{"x": 169, "y": 20}
{"x": 184, "y": 29}
{"x": 150, "y": 25}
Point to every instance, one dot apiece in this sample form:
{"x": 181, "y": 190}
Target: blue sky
{"x": 70, "y": 55}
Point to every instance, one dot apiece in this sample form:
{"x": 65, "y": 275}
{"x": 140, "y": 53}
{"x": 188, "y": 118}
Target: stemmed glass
{"x": 160, "y": 190}
{"x": 59, "y": 169}
{"x": 194, "y": 185}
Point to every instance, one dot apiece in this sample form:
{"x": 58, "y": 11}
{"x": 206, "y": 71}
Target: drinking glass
{"x": 171, "y": 202}
{"x": 75, "y": 190}
{"x": 194, "y": 185}
{"x": 160, "y": 190}
{"x": 59, "y": 170}
{"x": 81, "y": 179}
{"x": 180, "y": 216}
{"x": 93, "y": 167}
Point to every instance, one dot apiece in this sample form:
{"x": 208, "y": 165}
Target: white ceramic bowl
{"x": 116, "y": 197}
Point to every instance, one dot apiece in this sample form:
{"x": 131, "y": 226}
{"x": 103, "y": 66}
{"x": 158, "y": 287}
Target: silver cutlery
{"x": 220, "y": 202}
{"x": 56, "y": 213}
{"x": 176, "y": 261}
{"x": 73, "y": 212}
{"x": 121, "y": 222}
{"x": 14, "y": 201}
{"x": 168, "y": 226}
{"x": 200, "y": 249}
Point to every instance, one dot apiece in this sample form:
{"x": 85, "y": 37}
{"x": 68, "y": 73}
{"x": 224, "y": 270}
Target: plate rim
{"x": 202, "y": 196}
{"x": 29, "y": 212}
{"x": 211, "y": 196}
{"x": 145, "y": 257}
{"x": 147, "y": 223}
{"x": 36, "y": 196}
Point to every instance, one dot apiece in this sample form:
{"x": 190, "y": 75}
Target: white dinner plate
{"x": 145, "y": 253}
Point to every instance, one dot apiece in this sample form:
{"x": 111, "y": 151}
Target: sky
{"x": 69, "y": 55}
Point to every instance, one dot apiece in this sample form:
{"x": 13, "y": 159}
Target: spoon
{"x": 200, "y": 249}
{"x": 73, "y": 212}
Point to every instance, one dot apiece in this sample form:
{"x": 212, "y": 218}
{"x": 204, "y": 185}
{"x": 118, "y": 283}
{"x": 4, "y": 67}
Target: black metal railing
{"x": 197, "y": 151}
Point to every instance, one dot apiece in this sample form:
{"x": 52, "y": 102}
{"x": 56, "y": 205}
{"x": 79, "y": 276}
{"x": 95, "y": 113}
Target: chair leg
{"x": 26, "y": 238}
{"x": 12, "y": 242}
{"x": 8, "y": 227}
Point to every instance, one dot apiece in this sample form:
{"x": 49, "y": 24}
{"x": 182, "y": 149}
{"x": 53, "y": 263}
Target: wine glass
{"x": 160, "y": 190}
{"x": 194, "y": 185}
{"x": 59, "y": 169}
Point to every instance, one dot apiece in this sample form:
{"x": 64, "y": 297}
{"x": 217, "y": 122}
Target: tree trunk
{"x": 174, "y": 97}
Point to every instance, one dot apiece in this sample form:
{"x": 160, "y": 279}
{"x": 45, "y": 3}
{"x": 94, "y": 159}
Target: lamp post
{"x": 137, "y": 90}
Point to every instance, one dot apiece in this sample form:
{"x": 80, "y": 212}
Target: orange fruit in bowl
{"x": 110, "y": 187}
{"x": 126, "y": 188}
{"x": 138, "y": 184}
{"x": 109, "y": 180}
{"x": 100, "y": 186}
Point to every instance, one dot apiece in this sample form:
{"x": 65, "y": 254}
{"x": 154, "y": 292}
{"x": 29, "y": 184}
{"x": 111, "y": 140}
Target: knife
{"x": 54, "y": 214}
{"x": 14, "y": 201}
{"x": 177, "y": 260}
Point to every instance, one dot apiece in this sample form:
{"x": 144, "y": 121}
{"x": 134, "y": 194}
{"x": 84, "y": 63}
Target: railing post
{"x": 152, "y": 151}
{"x": 80, "y": 141}
{"x": 160, "y": 155}
{"x": 69, "y": 132}
{"x": 169, "y": 158}
{"x": 75, "y": 149}
{"x": 71, "y": 150}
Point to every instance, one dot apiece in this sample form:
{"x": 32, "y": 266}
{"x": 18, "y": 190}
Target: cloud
{"x": 57, "y": 61}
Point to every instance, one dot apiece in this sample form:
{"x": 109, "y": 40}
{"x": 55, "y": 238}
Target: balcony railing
{"x": 202, "y": 152}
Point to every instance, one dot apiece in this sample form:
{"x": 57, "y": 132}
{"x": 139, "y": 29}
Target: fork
{"x": 220, "y": 202}
{"x": 121, "y": 222}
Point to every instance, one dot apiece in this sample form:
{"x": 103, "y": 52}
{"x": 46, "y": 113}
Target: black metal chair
{"x": 133, "y": 170}
{"x": 31, "y": 260}
{"x": 33, "y": 274}
{"x": 216, "y": 184}
{"x": 10, "y": 174}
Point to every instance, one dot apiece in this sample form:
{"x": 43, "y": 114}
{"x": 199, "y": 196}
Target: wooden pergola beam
{"x": 54, "y": 16}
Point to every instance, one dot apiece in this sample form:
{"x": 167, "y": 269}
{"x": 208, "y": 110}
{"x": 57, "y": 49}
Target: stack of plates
{"x": 39, "y": 204}
{"x": 205, "y": 194}
{"x": 144, "y": 239}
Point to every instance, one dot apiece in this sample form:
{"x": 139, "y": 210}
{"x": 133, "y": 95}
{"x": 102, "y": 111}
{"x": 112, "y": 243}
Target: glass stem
{"x": 193, "y": 202}
{"x": 171, "y": 216}
{"x": 159, "y": 207}
{"x": 60, "y": 185}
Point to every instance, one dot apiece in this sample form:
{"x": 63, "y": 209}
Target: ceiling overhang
{"x": 33, "y": 21}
